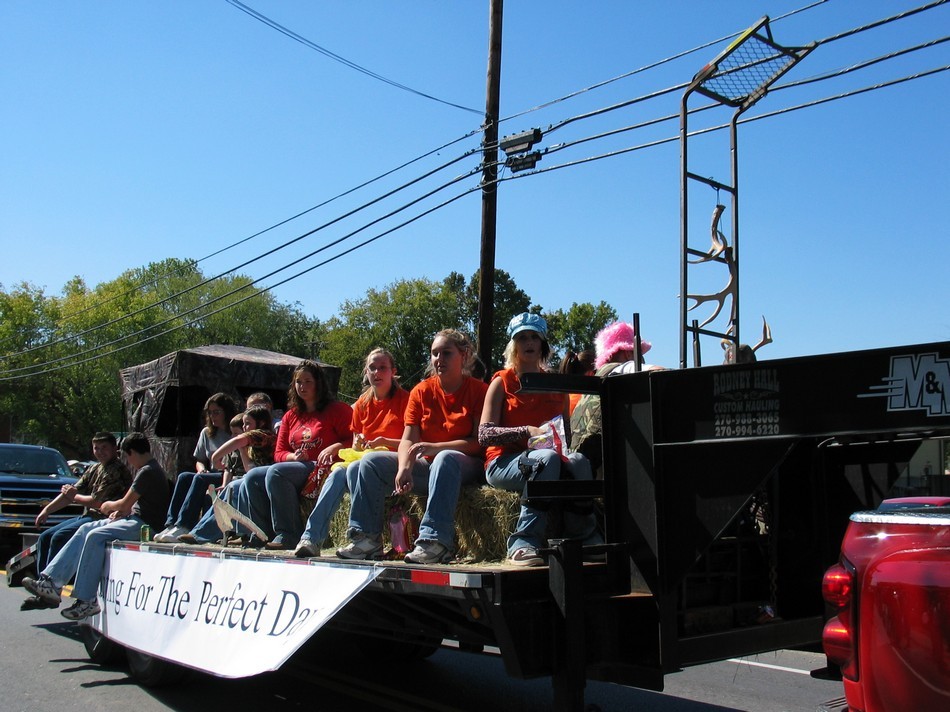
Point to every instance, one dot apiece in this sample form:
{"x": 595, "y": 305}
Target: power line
{"x": 719, "y": 127}
{"x": 653, "y": 65}
{"x": 882, "y": 22}
{"x": 624, "y": 104}
{"x": 342, "y": 60}
{"x": 860, "y": 65}
{"x": 611, "y": 154}
{"x": 235, "y": 303}
{"x": 561, "y": 147}
{"x": 140, "y": 287}
{"x": 669, "y": 117}
{"x": 259, "y": 257}
{"x": 4, "y": 375}
{"x": 552, "y": 128}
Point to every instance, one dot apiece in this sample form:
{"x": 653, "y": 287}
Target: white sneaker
{"x": 43, "y": 587}
{"x": 429, "y": 552}
{"x": 362, "y": 547}
{"x": 306, "y": 550}
{"x": 163, "y": 532}
{"x": 170, "y": 536}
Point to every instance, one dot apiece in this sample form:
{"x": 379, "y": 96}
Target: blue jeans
{"x": 340, "y": 481}
{"x": 442, "y": 480}
{"x": 196, "y": 498}
{"x": 504, "y": 473}
{"x": 53, "y": 539}
{"x": 207, "y": 530}
{"x": 271, "y": 496}
{"x": 189, "y": 498}
{"x": 85, "y": 553}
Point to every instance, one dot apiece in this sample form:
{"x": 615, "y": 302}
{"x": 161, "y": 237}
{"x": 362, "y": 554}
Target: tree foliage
{"x": 509, "y": 300}
{"x": 576, "y": 328}
{"x": 60, "y": 355}
{"x": 401, "y": 318}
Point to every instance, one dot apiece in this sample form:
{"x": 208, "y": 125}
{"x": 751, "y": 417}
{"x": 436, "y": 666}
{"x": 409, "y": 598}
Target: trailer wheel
{"x": 150, "y": 671}
{"x": 100, "y": 649}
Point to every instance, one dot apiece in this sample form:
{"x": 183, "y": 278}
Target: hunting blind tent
{"x": 164, "y": 398}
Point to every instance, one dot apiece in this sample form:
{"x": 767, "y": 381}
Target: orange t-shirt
{"x": 519, "y": 409}
{"x": 575, "y": 399}
{"x": 445, "y": 416}
{"x": 380, "y": 418}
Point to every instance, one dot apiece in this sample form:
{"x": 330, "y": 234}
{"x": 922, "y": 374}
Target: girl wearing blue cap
{"x": 509, "y": 418}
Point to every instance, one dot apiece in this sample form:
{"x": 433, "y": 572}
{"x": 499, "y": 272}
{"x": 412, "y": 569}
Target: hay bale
{"x": 484, "y": 519}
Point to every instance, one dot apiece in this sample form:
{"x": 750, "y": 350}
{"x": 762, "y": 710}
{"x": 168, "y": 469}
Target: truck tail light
{"x": 837, "y": 587}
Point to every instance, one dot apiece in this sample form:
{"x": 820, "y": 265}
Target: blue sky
{"x": 137, "y": 131}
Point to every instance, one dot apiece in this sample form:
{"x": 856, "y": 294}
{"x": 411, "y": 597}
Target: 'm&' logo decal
{"x": 916, "y": 382}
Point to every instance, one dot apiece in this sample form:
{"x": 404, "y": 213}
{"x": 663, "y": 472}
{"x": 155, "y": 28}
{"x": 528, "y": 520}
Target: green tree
{"x": 509, "y": 300}
{"x": 28, "y": 319}
{"x": 576, "y": 328}
{"x": 401, "y": 318}
{"x": 74, "y": 345}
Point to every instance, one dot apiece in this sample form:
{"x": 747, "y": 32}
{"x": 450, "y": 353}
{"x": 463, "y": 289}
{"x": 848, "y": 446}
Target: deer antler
{"x": 766, "y": 335}
{"x": 718, "y": 239}
{"x": 720, "y": 296}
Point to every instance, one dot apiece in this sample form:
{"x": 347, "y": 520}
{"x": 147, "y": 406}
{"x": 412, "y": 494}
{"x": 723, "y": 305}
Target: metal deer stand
{"x": 738, "y": 78}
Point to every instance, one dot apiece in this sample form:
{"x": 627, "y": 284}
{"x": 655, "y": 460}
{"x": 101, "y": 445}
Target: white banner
{"x": 229, "y": 617}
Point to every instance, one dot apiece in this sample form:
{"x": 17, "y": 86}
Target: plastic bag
{"x": 318, "y": 475}
{"x": 348, "y": 455}
{"x": 402, "y": 529}
{"x": 551, "y": 438}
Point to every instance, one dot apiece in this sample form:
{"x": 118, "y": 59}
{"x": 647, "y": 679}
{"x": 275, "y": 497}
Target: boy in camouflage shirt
{"x": 106, "y": 480}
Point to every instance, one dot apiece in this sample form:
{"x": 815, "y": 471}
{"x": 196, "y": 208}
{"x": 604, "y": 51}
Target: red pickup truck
{"x": 891, "y": 594}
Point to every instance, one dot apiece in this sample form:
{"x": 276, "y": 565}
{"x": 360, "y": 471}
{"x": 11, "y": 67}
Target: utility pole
{"x": 486, "y": 285}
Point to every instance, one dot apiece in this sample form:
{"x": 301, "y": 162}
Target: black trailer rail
{"x": 691, "y": 455}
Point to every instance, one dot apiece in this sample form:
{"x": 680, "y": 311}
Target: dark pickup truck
{"x": 30, "y": 476}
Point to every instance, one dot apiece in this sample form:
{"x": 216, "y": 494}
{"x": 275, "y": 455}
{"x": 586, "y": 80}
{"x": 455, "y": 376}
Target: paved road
{"x": 44, "y": 668}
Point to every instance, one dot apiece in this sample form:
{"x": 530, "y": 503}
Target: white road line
{"x": 770, "y": 667}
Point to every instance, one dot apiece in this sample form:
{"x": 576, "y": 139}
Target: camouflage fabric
{"x": 104, "y": 483}
{"x": 260, "y": 452}
{"x": 587, "y": 426}
{"x": 164, "y": 398}
{"x": 261, "y": 448}
{"x": 586, "y": 420}
{"x": 234, "y": 464}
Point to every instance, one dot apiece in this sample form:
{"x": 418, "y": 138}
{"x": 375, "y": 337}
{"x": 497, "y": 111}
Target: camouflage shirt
{"x": 104, "y": 483}
{"x": 260, "y": 447}
{"x": 260, "y": 451}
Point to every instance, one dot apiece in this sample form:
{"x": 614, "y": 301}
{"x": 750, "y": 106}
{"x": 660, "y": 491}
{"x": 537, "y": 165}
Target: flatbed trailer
{"x": 725, "y": 494}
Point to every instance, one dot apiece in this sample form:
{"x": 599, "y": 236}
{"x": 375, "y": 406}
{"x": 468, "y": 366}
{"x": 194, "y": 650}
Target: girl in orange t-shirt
{"x": 437, "y": 455}
{"x": 509, "y": 418}
{"x": 377, "y": 422}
